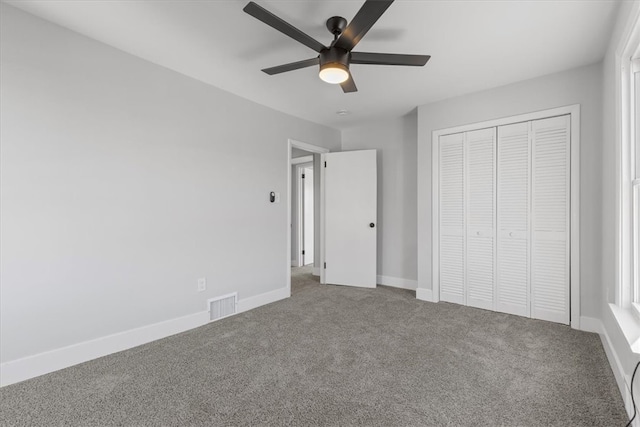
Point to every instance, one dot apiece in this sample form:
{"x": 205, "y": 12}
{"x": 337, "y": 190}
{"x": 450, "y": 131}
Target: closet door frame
{"x": 574, "y": 279}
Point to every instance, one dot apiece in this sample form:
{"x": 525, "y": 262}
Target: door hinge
{"x": 302, "y": 176}
{"x": 325, "y": 164}
{"x": 325, "y": 265}
{"x": 302, "y": 252}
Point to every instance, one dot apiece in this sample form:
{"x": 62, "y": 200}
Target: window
{"x": 628, "y": 296}
{"x": 630, "y": 180}
{"x": 626, "y": 308}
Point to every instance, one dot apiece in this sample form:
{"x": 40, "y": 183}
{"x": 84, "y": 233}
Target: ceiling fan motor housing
{"x": 334, "y": 57}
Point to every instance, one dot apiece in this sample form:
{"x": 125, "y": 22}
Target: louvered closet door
{"x": 451, "y": 194}
{"x": 480, "y": 217}
{"x": 513, "y": 219}
{"x": 550, "y": 219}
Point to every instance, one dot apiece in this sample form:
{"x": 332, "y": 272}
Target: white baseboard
{"x": 397, "y": 282}
{"x": 316, "y": 271}
{"x": 250, "y": 303}
{"x": 614, "y": 361}
{"x": 424, "y": 294}
{"x": 618, "y": 372}
{"x": 53, "y": 360}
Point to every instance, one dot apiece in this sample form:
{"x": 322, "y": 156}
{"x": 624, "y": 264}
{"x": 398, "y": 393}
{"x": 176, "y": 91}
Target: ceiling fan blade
{"x": 284, "y": 27}
{"x": 292, "y": 66}
{"x": 349, "y": 85}
{"x": 368, "y": 14}
{"x": 388, "y": 59}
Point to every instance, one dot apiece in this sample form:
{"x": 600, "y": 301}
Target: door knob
{"x": 372, "y": 225}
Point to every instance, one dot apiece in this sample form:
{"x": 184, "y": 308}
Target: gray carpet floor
{"x": 338, "y": 356}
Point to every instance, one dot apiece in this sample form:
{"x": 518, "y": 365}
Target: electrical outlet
{"x": 202, "y": 284}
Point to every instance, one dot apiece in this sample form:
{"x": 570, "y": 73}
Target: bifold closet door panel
{"x": 550, "y": 219}
{"x": 480, "y": 217}
{"x": 452, "y": 227}
{"x": 513, "y": 190}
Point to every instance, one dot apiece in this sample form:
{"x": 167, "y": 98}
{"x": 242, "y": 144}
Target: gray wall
{"x": 122, "y": 182}
{"x": 395, "y": 139}
{"x": 578, "y": 86}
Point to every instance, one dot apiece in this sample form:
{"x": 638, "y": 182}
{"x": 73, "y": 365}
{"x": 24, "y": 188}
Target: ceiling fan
{"x": 334, "y": 60}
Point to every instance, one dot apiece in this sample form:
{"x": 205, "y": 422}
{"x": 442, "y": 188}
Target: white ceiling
{"x": 474, "y": 45}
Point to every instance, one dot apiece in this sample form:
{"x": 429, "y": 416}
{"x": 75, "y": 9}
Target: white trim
{"x": 435, "y": 218}
{"x": 323, "y": 171}
{"x": 622, "y": 380}
{"x": 300, "y": 208}
{"x": 590, "y": 324}
{"x": 575, "y": 217}
{"x": 43, "y": 363}
{"x": 308, "y": 147}
{"x": 614, "y": 362}
{"x": 535, "y": 115}
{"x": 629, "y": 39}
{"x": 299, "y": 224}
{"x": 53, "y": 360}
{"x": 313, "y": 149}
{"x": 629, "y": 326}
{"x": 623, "y": 316}
{"x": 397, "y": 282}
{"x": 574, "y": 111}
{"x": 298, "y": 160}
{"x": 425, "y": 294}
{"x": 259, "y": 300}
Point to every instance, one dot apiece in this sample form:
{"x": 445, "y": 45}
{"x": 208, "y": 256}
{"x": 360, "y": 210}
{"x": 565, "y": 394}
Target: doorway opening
{"x": 303, "y": 242}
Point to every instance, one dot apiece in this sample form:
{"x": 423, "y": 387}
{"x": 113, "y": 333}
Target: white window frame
{"x": 634, "y": 169}
{"x": 623, "y": 309}
{"x": 627, "y": 271}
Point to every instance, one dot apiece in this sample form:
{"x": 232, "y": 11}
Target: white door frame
{"x": 574, "y": 111}
{"x": 304, "y": 159}
{"x": 296, "y": 259}
{"x": 292, "y": 143}
{"x": 299, "y": 168}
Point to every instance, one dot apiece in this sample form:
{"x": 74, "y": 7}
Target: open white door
{"x": 350, "y": 222}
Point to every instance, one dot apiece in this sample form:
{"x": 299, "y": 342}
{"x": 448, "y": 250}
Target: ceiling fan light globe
{"x": 334, "y": 73}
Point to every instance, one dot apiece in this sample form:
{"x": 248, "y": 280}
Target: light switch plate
{"x": 202, "y": 284}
